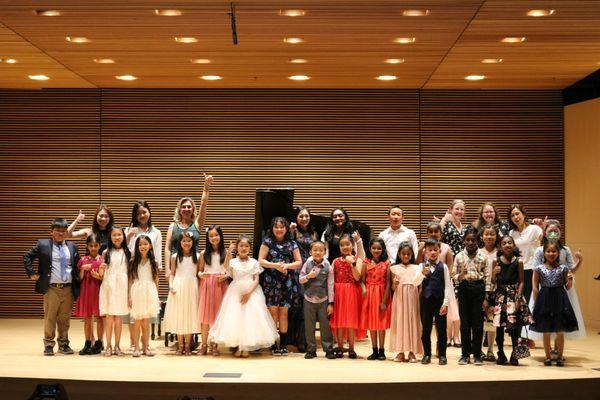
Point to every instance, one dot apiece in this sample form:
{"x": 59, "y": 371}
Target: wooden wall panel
{"x": 500, "y": 146}
{"x": 362, "y": 149}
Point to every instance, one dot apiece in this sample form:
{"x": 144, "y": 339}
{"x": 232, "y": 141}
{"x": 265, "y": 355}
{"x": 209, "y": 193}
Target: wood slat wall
{"x": 362, "y": 149}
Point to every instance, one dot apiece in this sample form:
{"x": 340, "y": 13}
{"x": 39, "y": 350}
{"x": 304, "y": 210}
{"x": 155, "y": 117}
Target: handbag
{"x": 522, "y": 350}
{"x": 523, "y": 314}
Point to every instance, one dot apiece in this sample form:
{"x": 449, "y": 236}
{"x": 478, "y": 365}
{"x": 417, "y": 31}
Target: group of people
{"x": 490, "y": 276}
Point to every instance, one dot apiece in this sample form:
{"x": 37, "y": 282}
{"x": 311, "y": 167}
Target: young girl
{"x": 213, "y": 284}
{"x": 113, "y": 291}
{"x": 280, "y": 257}
{"x": 87, "y": 303}
{"x": 434, "y": 231}
{"x": 181, "y": 313}
{"x": 405, "y": 335}
{"x": 489, "y": 236}
{"x": 243, "y": 320}
{"x": 507, "y": 275}
{"x": 347, "y": 270}
{"x": 143, "y": 292}
{"x": 552, "y": 311}
{"x": 375, "y": 315}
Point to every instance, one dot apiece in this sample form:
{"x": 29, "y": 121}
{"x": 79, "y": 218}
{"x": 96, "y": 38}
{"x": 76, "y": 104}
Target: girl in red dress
{"x": 347, "y": 296}
{"x": 87, "y": 303}
{"x": 375, "y": 315}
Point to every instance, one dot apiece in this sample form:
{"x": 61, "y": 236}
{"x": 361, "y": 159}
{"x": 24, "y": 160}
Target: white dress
{"x": 247, "y": 326}
{"x": 115, "y": 285}
{"x": 181, "y": 312}
{"x": 144, "y": 295}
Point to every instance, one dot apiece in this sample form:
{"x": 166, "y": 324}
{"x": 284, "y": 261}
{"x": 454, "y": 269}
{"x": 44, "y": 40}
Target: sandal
{"x": 135, "y": 353}
{"x": 238, "y": 353}
{"x": 399, "y": 358}
{"x": 107, "y": 352}
{"x": 203, "y": 350}
{"x": 179, "y": 350}
{"x": 245, "y": 354}
{"x": 118, "y": 351}
{"x": 215, "y": 350}
{"x": 411, "y": 358}
{"x": 148, "y": 353}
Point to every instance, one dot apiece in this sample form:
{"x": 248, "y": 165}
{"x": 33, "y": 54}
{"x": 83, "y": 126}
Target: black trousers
{"x": 470, "y": 309}
{"x": 430, "y": 310}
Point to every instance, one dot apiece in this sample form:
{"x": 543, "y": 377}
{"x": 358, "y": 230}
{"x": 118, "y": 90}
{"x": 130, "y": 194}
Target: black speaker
{"x": 270, "y": 203}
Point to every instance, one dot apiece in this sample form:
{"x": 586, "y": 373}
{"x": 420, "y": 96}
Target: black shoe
{"x": 87, "y": 347}
{"x": 352, "y": 354}
{"x": 65, "y": 349}
{"x": 426, "y": 360}
{"x": 338, "y": 353}
{"x": 96, "y": 348}
{"x": 513, "y": 360}
{"x": 330, "y": 355}
{"x": 283, "y": 352}
{"x": 49, "y": 350}
{"x": 275, "y": 350}
{"x": 381, "y": 356}
{"x": 560, "y": 362}
{"x": 443, "y": 360}
{"x": 501, "y": 360}
{"x": 464, "y": 360}
{"x": 373, "y": 356}
{"x": 477, "y": 360}
{"x": 547, "y": 362}
{"x": 310, "y": 354}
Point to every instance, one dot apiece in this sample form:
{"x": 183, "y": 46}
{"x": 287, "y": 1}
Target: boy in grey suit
{"x": 316, "y": 276}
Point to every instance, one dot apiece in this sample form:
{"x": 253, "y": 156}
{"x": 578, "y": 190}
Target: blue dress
{"x": 553, "y": 311}
{"x": 281, "y": 290}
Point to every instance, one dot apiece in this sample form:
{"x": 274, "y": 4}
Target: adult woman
{"x": 101, "y": 227}
{"x": 186, "y": 219}
{"x": 527, "y": 238}
{"x": 453, "y": 230}
{"x": 488, "y": 215}
{"x": 338, "y": 225}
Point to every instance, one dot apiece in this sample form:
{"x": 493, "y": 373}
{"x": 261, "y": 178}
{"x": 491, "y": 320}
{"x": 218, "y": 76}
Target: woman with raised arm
{"x": 453, "y": 230}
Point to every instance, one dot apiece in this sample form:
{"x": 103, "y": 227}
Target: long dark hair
{"x": 90, "y": 239}
{"x": 280, "y": 220}
{"x": 523, "y": 211}
{"x": 132, "y": 271}
{"x": 516, "y": 251}
{"x": 310, "y": 229}
{"x": 111, "y": 220}
{"x": 134, "y": 211}
{"x": 330, "y": 228}
{"x": 405, "y": 245}
{"x": 208, "y": 249}
{"x": 383, "y": 256}
{"x": 111, "y": 246}
{"x": 193, "y": 249}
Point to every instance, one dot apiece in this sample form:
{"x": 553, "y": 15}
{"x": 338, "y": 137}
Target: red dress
{"x": 89, "y": 295}
{"x": 347, "y": 296}
{"x": 372, "y": 318}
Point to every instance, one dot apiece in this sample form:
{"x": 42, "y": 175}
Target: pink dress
{"x": 406, "y": 328}
{"x": 89, "y": 296}
{"x": 372, "y": 318}
{"x": 211, "y": 290}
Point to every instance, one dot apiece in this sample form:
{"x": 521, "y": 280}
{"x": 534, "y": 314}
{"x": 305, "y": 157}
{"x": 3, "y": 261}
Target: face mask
{"x": 553, "y": 235}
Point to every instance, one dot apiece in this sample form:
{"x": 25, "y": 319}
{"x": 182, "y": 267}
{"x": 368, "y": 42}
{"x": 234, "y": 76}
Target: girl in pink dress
{"x": 347, "y": 291}
{"x": 375, "y": 315}
{"x": 89, "y": 296}
{"x": 213, "y": 284}
{"x": 405, "y": 335}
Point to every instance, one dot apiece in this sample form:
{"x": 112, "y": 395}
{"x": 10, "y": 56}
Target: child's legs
{"x": 88, "y": 328}
{"x": 310, "y": 311}
{"x": 118, "y": 326}
{"x": 204, "y": 330}
{"x": 187, "y": 341}
{"x": 514, "y": 337}
{"x": 351, "y": 339}
{"x": 326, "y": 336}
{"x": 110, "y": 322}
{"x": 131, "y": 332}
{"x": 145, "y": 333}
{"x": 340, "y": 337}
{"x": 464, "y": 308}
{"x": 427, "y": 322}
{"x": 547, "y": 345}
{"x": 500, "y": 339}
{"x": 491, "y": 335}
{"x": 100, "y": 327}
{"x": 274, "y": 311}
{"x": 381, "y": 339}
{"x": 440, "y": 329}
{"x": 283, "y": 319}
{"x": 137, "y": 325}
{"x": 560, "y": 344}
{"x": 374, "y": 338}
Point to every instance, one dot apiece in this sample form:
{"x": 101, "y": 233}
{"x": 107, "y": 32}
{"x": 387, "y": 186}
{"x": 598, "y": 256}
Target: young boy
{"x": 397, "y": 233}
{"x": 316, "y": 276}
{"x": 473, "y": 279}
{"x": 434, "y": 300}
{"x": 57, "y": 279}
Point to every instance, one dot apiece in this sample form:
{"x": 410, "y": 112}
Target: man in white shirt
{"x": 397, "y": 233}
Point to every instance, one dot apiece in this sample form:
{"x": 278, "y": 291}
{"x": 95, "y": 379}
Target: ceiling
{"x": 345, "y": 44}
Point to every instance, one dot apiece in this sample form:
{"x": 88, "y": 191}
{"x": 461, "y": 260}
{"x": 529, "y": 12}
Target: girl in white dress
{"x": 143, "y": 292}
{"x": 243, "y": 320}
{"x": 114, "y": 288}
{"x": 181, "y": 313}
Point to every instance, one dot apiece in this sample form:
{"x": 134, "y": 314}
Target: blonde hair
{"x": 177, "y": 215}
{"x": 457, "y": 201}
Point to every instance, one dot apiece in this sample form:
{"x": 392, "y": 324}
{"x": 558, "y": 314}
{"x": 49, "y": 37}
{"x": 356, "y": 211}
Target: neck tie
{"x": 63, "y": 261}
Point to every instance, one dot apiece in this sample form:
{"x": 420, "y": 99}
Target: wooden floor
{"x": 21, "y": 354}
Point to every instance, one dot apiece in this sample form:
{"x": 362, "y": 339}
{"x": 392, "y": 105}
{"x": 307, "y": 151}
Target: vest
{"x": 317, "y": 287}
{"x": 433, "y": 284}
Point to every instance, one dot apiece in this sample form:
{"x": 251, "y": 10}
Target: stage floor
{"x": 21, "y": 354}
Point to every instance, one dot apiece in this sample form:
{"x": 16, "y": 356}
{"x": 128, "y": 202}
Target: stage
{"x": 264, "y": 376}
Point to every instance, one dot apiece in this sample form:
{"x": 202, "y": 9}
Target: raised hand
{"x": 578, "y": 256}
{"x": 356, "y": 236}
{"x": 208, "y": 180}
{"x": 293, "y": 227}
{"x": 312, "y": 274}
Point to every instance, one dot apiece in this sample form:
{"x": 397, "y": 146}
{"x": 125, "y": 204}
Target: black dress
{"x": 552, "y": 311}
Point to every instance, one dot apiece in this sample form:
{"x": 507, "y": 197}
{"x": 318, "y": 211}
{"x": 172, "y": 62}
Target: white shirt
{"x": 527, "y": 241}
{"x": 156, "y": 238}
{"x": 393, "y": 238}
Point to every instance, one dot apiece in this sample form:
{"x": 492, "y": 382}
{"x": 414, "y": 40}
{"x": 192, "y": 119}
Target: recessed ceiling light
{"x": 211, "y": 77}
{"x": 513, "y": 39}
{"x": 293, "y": 40}
{"x": 39, "y": 77}
{"x": 47, "y": 13}
{"x": 200, "y": 61}
{"x": 298, "y": 61}
{"x": 184, "y": 39}
{"x": 77, "y": 39}
{"x": 126, "y": 77}
{"x": 491, "y": 61}
{"x": 405, "y": 40}
{"x": 387, "y": 77}
{"x": 415, "y": 13}
{"x": 104, "y": 61}
{"x": 539, "y": 13}
{"x": 11, "y": 61}
{"x": 394, "y": 60}
{"x": 292, "y": 13}
{"x": 168, "y": 13}
{"x": 475, "y": 77}
{"x": 299, "y": 77}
